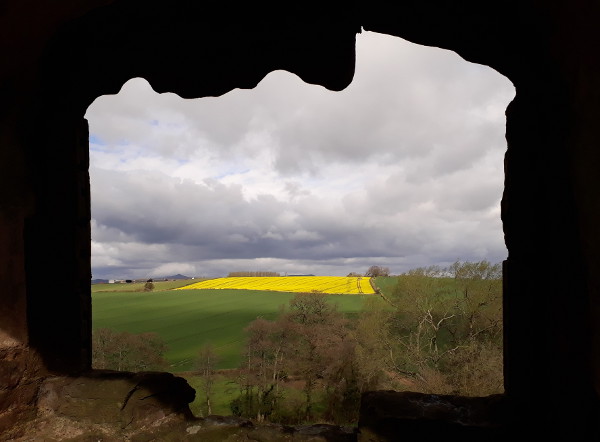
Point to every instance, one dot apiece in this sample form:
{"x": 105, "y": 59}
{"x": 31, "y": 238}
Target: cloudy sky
{"x": 404, "y": 168}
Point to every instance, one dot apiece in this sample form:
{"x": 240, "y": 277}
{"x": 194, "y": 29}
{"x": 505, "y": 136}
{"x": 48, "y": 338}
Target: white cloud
{"x": 403, "y": 168}
{"x": 174, "y": 268}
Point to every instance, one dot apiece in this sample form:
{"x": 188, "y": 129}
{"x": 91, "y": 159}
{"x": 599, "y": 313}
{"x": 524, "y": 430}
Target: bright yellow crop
{"x": 301, "y": 284}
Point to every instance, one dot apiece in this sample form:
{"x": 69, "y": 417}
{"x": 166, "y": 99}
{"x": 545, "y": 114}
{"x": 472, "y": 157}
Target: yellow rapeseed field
{"x": 300, "y": 284}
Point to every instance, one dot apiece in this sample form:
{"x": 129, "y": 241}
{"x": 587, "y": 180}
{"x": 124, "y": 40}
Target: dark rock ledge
{"x": 112, "y": 406}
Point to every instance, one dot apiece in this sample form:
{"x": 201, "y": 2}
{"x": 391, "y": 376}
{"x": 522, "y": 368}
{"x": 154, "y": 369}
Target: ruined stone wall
{"x": 79, "y": 50}
{"x": 19, "y": 368}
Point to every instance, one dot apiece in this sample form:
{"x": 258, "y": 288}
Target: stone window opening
{"x": 97, "y": 143}
{"x": 82, "y": 51}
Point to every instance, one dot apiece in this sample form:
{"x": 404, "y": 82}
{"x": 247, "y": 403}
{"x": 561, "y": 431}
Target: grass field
{"x": 139, "y": 286}
{"x": 224, "y": 391}
{"x": 187, "y": 319}
{"x": 386, "y": 284}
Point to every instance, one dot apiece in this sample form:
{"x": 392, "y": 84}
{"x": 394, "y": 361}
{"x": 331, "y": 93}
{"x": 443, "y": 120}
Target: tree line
{"x": 251, "y": 274}
{"x": 437, "y": 332}
{"x": 124, "y": 351}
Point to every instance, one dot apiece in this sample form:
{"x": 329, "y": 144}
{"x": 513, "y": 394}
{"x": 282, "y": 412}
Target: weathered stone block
{"x": 118, "y": 399}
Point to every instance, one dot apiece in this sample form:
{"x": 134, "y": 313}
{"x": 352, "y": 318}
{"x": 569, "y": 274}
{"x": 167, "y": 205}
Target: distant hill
{"x": 99, "y": 281}
{"x": 177, "y": 276}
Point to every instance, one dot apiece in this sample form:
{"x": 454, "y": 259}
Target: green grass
{"x": 386, "y": 284}
{"x": 139, "y": 286}
{"x": 225, "y": 390}
{"x": 187, "y": 319}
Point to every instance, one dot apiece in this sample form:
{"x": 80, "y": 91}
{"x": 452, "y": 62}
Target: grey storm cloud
{"x": 150, "y": 207}
{"x": 403, "y": 168}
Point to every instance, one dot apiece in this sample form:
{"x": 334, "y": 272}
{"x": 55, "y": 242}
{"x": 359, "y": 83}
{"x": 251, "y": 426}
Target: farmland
{"x": 304, "y": 346}
{"x": 187, "y": 319}
{"x": 139, "y": 286}
{"x": 296, "y": 284}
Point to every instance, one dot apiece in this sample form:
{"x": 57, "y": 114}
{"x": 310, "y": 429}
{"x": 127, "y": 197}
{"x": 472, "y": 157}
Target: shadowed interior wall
{"x": 80, "y": 50}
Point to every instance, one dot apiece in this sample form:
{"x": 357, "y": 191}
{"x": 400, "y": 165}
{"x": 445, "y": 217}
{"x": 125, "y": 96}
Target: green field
{"x": 225, "y": 390}
{"x": 139, "y": 286}
{"x": 187, "y": 319}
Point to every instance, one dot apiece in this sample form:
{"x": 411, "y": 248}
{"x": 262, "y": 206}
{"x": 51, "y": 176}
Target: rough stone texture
{"x": 140, "y": 407}
{"x": 112, "y": 403}
{"x": 120, "y": 399}
{"x": 77, "y": 50}
{"x": 19, "y": 386}
{"x": 175, "y": 430}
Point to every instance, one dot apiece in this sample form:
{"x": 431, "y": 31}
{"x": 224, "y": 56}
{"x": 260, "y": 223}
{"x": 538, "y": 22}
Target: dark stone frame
{"x": 550, "y": 209}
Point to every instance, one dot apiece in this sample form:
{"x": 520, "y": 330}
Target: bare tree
{"x": 375, "y": 271}
{"x": 475, "y": 270}
{"x": 124, "y": 351}
{"x": 206, "y": 365}
{"x": 321, "y": 344}
{"x": 445, "y": 324}
{"x": 309, "y": 342}
{"x": 266, "y": 347}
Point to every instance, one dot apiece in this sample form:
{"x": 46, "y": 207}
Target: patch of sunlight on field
{"x": 334, "y": 285}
